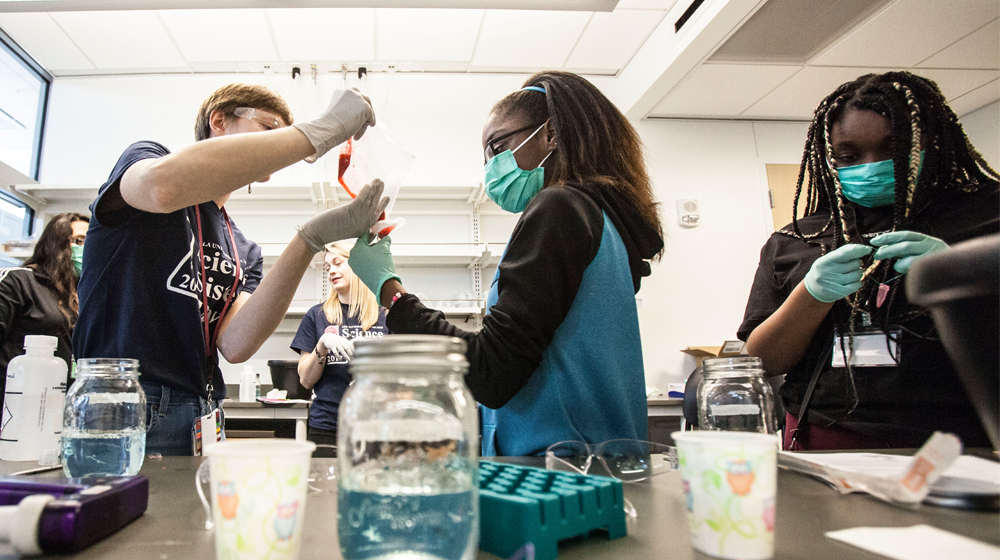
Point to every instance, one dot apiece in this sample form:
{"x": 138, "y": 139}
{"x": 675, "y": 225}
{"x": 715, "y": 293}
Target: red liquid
{"x": 345, "y": 162}
{"x": 387, "y": 230}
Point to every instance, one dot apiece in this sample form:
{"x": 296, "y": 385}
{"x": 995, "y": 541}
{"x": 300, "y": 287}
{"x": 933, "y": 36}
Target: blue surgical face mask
{"x": 510, "y": 186}
{"x": 871, "y": 184}
{"x": 76, "y": 254}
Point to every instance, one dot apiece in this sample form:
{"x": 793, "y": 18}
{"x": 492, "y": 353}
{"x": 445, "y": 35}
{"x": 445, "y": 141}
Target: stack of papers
{"x": 936, "y": 468}
{"x": 920, "y": 542}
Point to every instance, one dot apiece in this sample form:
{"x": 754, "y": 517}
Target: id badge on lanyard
{"x": 872, "y": 348}
{"x": 207, "y": 431}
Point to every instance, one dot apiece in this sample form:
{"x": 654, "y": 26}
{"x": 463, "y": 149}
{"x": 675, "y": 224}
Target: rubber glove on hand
{"x": 372, "y": 263}
{"x": 836, "y": 274}
{"x": 348, "y": 115}
{"x": 907, "y": 246}
{"x": 348, "y": 221}
{"x": 340, "y": 347}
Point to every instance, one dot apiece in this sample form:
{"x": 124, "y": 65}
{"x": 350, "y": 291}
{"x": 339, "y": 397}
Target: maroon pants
{"x": 818, "y": 438}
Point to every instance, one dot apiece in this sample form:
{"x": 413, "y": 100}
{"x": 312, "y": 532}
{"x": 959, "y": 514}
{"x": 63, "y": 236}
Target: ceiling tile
{"x": 528, "y": 39}
{"x": 313, "y": 34}
{"x": 798, "y": 97}
{"x": 976, "y": 99}
{"x": 409, "y": 34}
{"x": 121, "y": 39}
{"x": 915, "y": 29}
{"x": 38, "y": 34}
{"x": 220, "y": 35}
{"x": 956, "y": 83}
{"x": 721, "y": 90}
{"x": 611, "y": 39}
{"x": 980, "y": 50}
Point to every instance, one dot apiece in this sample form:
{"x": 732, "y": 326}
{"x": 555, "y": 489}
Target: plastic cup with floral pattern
{"x": 258, "y": 497}
{"x": 729, "y": 479}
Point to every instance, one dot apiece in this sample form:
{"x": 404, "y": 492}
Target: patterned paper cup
{"x": 729, "y": 482}
{"x": 259, "y": 497}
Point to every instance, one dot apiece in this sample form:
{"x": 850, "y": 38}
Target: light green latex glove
{"x": 373, "y": 263}
{"x": 907, "y": 246}
{"x": 836, "y": 274}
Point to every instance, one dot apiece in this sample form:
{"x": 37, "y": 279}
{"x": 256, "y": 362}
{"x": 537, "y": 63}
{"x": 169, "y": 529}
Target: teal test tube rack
{"x": 520, "y": 505}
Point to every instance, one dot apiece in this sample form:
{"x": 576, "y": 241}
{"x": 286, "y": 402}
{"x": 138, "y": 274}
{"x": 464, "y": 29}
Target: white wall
{"x": 983, "y": 129}
{"x": 695, "y": 296}
{"x": 698, "y": 291}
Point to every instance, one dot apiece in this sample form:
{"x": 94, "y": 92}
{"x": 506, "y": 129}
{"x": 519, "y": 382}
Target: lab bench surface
{"x": 173, "y": 526}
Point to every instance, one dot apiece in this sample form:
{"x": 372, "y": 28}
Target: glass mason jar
{"x": 407, "y": 442}
{"x": 104, "y": 419}
{"x": 733, "y": 396}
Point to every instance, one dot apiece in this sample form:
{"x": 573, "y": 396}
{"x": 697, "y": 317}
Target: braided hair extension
{"x": 920, "y": 121}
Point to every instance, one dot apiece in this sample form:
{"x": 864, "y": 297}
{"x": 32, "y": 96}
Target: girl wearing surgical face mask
{"x": 558, "y": 357}
{"x": 40, "y": 297}
{"x": 888, "y": 177}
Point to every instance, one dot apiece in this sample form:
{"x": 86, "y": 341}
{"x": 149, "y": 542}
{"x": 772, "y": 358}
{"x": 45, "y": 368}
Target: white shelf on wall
{"x": 451, "y": 255}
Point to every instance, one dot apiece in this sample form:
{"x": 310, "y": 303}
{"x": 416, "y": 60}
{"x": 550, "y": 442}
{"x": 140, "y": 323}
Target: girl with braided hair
{"x": 890, "y": 177}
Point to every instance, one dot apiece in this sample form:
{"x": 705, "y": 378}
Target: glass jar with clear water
{"x": 733, "y": 396}
{"x": 407, "y": 450}
{"x": 104, "y": 419}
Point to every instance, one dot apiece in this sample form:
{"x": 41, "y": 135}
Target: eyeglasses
{"x": 78, "y": 241}
{"x": 491, "y": 145}
{"x": 266, "y": 120}
{"x": 629, "y": 460}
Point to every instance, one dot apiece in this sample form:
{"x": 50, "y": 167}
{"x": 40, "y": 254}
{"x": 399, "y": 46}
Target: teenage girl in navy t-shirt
{"x": 325, "y": 341}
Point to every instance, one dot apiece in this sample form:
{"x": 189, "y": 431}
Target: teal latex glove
{"x": 372, "y": 263}
{"x": 836, "y": 274}
{"x": 907, "y": 246}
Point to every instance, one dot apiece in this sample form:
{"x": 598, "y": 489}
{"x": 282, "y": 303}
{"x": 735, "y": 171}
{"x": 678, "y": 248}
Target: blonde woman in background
{"x": 325, "y": 340}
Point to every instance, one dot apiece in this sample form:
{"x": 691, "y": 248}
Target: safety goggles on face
{"x": 629, "y": 460}
{"x": 491, "y": 146}
{"x": 265, "y": 120}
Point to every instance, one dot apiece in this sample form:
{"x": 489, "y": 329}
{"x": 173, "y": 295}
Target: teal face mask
{"x": 510, "y": 186}
{"x": 76, "y": 255}
{"x": 871, "y": 184}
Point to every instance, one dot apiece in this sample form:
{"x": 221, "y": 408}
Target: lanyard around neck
{"x": 211, "y": 341}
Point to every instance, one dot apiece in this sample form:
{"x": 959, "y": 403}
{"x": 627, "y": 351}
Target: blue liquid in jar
{"x": 411, "y": 526}
{"x": 106, "y": 454}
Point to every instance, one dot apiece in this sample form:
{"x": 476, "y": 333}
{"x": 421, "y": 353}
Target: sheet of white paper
{"x": 920, "y": 542}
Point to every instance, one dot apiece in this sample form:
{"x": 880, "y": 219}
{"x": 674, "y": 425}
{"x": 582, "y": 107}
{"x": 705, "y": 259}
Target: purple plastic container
{"x": 84, "y": 511}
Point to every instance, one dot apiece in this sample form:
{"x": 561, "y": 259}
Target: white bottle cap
{"x": 48, "y": 457}
{"x": 40, "y": 341}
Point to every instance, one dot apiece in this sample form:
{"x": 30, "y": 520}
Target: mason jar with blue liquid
{"x": 104, "y": 419}
{"x": 407, "y": 449}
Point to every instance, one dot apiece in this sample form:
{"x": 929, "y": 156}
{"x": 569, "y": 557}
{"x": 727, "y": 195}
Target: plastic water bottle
{"x": 256, "y": 386}
{"x": 33, "y": 401}
{"x": 247, "y": 384}
{"x": 104, "y": 423}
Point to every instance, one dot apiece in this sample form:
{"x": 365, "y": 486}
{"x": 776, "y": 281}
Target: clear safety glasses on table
{"x": 629, "y": 460}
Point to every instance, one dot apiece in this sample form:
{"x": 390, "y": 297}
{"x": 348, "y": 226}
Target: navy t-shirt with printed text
{"x": 141, "y": 286}
{"x": 331, "y": 386}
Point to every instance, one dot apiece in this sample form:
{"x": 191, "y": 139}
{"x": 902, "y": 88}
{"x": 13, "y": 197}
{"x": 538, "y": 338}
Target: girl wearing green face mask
{"x": 558, "y": 357}
{"x": 40, "y": 296}
{"x": 892, "y": 178}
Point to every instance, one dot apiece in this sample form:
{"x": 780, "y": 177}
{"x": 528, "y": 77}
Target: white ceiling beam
{"x": 102, "y": 5}
{"x": 668, "y": 56}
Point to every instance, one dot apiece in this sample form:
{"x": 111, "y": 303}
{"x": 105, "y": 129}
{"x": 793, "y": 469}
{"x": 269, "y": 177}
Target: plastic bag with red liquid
{"x": 377, "y": 155}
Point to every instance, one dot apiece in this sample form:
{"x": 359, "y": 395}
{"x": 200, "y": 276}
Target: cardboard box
{"x": 728, "y": 348}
